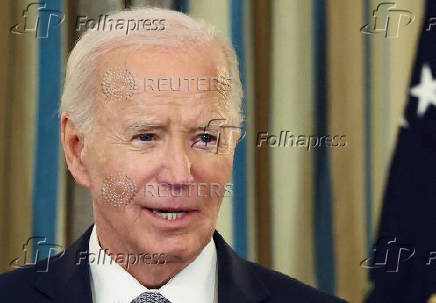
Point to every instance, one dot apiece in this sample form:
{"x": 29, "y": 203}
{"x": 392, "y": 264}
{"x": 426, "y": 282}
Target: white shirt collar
{"x": 195, "y": 283}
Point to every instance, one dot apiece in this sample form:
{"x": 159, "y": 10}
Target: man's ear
{"x": 73, "y": 144}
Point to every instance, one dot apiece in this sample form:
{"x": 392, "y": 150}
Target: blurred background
{"x": 306, "y": 68}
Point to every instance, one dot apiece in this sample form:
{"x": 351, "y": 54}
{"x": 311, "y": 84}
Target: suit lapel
{"x": 67, "y": 279}
{"x": 236, "y": 281}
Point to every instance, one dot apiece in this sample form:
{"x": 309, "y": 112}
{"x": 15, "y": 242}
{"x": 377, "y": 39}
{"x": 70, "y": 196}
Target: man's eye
{"x": 206, "y": 138}
{"x": 145, "y": 137}
{"x": 205, "y": 141}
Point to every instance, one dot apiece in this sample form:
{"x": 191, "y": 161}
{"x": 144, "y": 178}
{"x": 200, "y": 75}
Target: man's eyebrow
{"x": 215, "y": 124}
{"x": 142, "y": 126}
{"x": 146, "y": 126}
{"x": 207, "y": 126}
{"x": 204, "y": 128}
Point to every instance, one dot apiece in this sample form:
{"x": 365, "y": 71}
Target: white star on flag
{"x": 425, "y": 91}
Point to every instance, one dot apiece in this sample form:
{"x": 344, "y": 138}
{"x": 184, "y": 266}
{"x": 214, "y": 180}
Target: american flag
{"x": 403, "y": 264}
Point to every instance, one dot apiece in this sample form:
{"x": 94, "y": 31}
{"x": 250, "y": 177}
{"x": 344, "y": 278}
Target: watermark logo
{"x": 39, "y": 19}
{"x": 105, "y": 23}
{"x": 118, "y": 190}
{"x": 388, "y": 255}
{"x": 287, "y": 139}
{"x": 32, "y": 256}
{"x": 103, "y": 256}
{"x": 221, "y": 84}
{"x": 224, "y": 134}
{"x": 118, "y": 84}
{"x": 201, "y": 189}
{"x": 386, "y": 19}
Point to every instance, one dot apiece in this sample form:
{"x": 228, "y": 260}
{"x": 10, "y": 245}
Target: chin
{"x": 182, "y": 247}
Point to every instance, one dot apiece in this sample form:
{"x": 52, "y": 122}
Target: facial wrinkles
{"x": 109, "y": 133}
{"x": 145, "y": 103}
{"x": 188, "y": 166}
{"x": 177, "y": 112}
{"x": 189, "y": 163}
{"x": 163, "y": 107}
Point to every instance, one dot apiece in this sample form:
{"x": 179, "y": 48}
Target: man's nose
{"x": 176, "y": 164}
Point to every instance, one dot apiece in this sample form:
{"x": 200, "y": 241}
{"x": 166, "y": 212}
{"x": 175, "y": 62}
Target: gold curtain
{"x": 18, "y": 70}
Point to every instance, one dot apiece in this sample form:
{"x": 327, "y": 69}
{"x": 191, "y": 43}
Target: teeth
{"x": 169, "y": 216}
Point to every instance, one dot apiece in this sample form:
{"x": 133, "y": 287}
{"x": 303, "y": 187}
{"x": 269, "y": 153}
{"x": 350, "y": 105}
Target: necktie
{"x": 150, "y": 297}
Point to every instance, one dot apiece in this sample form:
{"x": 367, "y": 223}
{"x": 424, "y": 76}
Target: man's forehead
{"x": 162, "y": 61}
{"x": 192, "y": 102}
{"x": 165, "y": 86}
{"x": 163, "y": 108}
{"x": 125, "y": 73}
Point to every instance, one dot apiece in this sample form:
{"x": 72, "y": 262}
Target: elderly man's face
{"x": 142, "y": 142}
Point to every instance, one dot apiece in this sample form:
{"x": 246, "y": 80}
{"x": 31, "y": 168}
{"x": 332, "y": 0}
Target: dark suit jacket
{"x": 239, "y": 281}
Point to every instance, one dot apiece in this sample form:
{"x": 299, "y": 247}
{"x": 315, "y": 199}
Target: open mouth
{"x": 170, "y": 214}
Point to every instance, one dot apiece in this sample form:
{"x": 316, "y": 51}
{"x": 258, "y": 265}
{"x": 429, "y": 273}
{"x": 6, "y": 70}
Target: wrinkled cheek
{"x": 133, "y": 215}
{"x": 100, "y": 161}
{"x": 217, "y": 165}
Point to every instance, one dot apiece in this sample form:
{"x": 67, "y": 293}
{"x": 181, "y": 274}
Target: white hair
{"x": 80, "y": 87}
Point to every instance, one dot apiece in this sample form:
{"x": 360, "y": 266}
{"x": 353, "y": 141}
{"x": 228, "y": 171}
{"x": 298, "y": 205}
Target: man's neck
{"x": 156, "y": 275}
{"x": 150, "y": 275}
